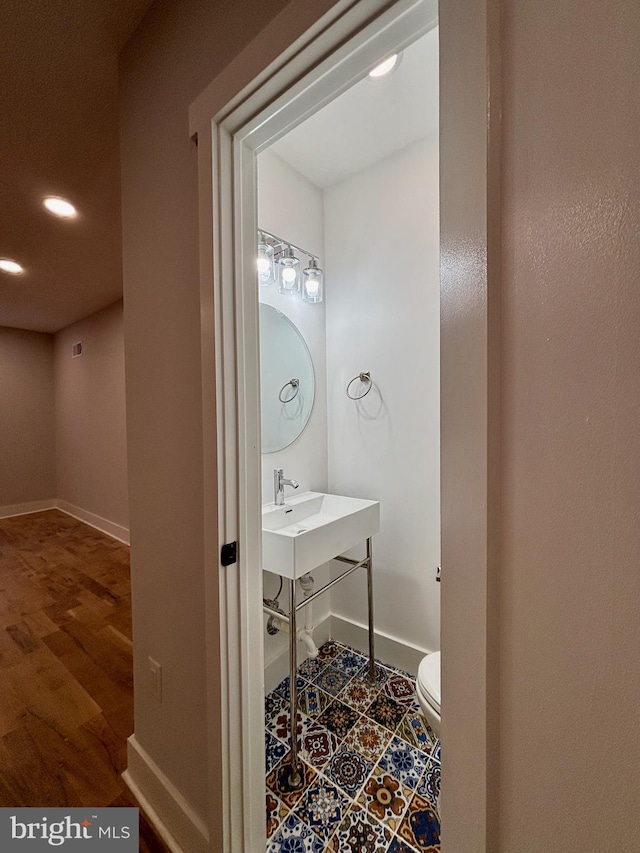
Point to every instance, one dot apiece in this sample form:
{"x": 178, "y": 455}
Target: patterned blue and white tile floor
{"x": 371, "y": 763}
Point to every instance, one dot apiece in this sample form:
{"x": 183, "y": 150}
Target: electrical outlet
{"x": 155, "y": 670}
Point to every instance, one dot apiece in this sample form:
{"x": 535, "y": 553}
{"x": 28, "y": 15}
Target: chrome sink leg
{"x": 295, "y": 777}
{"x": 372, "y": 666}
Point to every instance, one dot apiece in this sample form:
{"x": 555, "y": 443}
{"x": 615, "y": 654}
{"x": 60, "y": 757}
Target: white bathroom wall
{"x": 382, "y": 268}
{"x": 291, "y": 207}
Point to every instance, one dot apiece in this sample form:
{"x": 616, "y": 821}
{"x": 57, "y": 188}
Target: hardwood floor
{"x": 66, "y": 682}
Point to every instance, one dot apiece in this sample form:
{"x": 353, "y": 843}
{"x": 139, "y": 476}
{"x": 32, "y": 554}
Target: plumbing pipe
{"x": 306, "y": 584}
{"x": 282, "y": 624}
{"x": 310, "y": 643}
{"x": 281, "y": 621}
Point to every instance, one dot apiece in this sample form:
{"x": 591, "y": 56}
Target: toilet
{"x": 428, "y": 690}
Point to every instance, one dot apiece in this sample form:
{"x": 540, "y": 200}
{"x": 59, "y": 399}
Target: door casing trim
{"x": 233, "y": 120}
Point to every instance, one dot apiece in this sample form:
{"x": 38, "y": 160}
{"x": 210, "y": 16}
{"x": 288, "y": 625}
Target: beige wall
{"x": 570, "y": 585}
{"x": 179, "y": 48}
{"x": 62, "y": 419}
{"x": 27, "y": 436}
{"x": 91, "y": 453}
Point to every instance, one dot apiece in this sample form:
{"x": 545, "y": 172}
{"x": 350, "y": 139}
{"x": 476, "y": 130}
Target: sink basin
{"x": 312, "y": 528}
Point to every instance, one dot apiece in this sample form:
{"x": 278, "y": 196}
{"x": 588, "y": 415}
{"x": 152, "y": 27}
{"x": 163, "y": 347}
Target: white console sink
{"x": 312, "y": 528}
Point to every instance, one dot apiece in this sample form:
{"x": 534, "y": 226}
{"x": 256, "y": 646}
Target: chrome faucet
{"x": 279, "y": 482}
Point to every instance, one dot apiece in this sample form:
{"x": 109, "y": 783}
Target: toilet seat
{"x": 428, "y": 680}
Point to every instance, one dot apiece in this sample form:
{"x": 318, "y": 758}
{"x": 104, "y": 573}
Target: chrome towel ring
{"x": 363, "y": 377}
{"x": 295, "y": 383}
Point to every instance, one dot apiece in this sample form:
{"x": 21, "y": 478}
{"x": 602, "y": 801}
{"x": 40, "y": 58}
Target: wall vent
{"x": 76, "y": 350}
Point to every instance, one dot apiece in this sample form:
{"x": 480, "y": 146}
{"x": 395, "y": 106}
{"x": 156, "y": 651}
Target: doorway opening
{"x": 349, "y": 363}
{"x": 315, "y": 72}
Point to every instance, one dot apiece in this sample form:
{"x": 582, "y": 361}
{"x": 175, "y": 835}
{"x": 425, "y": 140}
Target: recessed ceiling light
{"x": 13, "y": 267}
{"x": 60, "y": 207}
{"x": 385, "y": 67}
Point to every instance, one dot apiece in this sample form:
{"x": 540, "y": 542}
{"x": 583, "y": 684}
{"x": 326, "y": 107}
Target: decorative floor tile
{"x": 420, "y": 827}
{"x": 279, "y": 725}
{"x": 349, "y": 770}
{"x": 274, "y": 704}
{"x": 332, "y": 680}
{"x": 370, "y": 762}
{"x": 403, "y": 762}
{"x": 384, "y": 798}
{"x": 415, "y": 706}
{"x": 415, "y": 730}
{"x": 429, "y": 787}
{"x": 295, "y": 836}
{"x": 323, "y": 807}
{"x": 358, "y": 833}
{"x": 339, "y": 718}
{"x": 311, "y": 668}
{"x": 312, "y": 701}
{"x": 274, "y": 751}
{"x": 400, "y": 688}
{"x": 278, "y": 781}
{"x": 276, "y": 812}
{"x": 329, "y": 651}
{"x": 381, "y": 672}
{"x": 368, "y": 738}
{"x": 349, "y": 662}
{"x": 399, "y": 846}
{"x": 358, "y": 694}
{"x": 387, "y": 712}
{"x": 319, "y": 744}
{"x": 284, "y": 688}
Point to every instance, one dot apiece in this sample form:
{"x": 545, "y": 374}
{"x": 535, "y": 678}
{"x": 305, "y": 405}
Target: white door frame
{"x": 234, "y": 119}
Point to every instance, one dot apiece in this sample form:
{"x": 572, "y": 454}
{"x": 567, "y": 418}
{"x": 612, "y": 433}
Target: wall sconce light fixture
{"x": 312, "y": 282}
{"x": 277, "y": 260}
{"x": 266, "y": 266}
{"x": 288, "y": 272}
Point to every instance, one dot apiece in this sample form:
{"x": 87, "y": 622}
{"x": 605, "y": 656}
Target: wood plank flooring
{"x": 66, "y": 681}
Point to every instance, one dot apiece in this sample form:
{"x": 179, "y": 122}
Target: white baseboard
{"x": 179, "y": 827}
{"x": 278, "y": 669}
{"x": 391, "y": 650}
{"x": 27, "y": 508}
{"x": 116, "y": 531}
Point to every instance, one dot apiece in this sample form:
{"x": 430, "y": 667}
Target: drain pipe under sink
{"x": 281, "y": 623}
{"x": 306, "y": 584}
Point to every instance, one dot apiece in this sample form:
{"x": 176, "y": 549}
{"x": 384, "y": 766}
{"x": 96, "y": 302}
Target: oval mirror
{"x": 287, "y": 384}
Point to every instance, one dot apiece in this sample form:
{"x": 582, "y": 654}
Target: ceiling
{"x": 59, "y": 136}
{"x": 369, "y": 121}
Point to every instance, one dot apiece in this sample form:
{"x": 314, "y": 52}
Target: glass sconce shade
{"x": 278, "y": 260}
{"x": 266, "y": 267}
{"x": 312, "y": 285}
{"x": 288, "y": 272}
